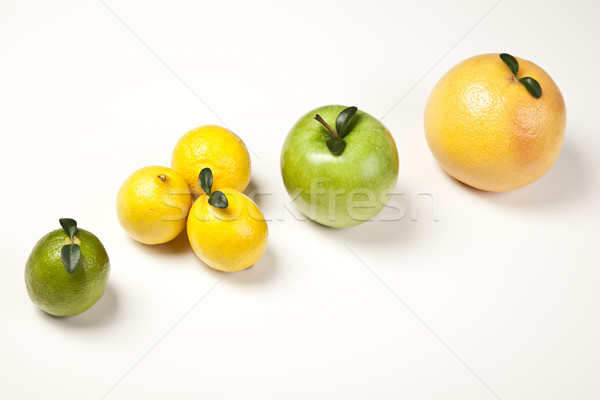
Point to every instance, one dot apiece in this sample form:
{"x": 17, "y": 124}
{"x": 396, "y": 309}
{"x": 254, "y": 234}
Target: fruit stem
{"x": 336, "y": 137}
{"x": 162, "y": 178}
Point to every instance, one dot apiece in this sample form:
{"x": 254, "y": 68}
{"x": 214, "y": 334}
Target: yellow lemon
{"x": 153, "y": 204}
{"x": 487, "y": 130}
{"x": 216, "y": 148}
{"x": 227, "y": 233}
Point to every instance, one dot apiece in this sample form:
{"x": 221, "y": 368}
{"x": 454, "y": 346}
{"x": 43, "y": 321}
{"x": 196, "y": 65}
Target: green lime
{"x": 67, "y": 270}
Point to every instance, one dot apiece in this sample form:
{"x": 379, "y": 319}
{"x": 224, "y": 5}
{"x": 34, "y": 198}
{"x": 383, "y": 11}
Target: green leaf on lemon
{"x": 343, "y": 121}
{"x": 218, "y": 199}
{"x": 69, "y": 225}
{"x": 532, "y": 86}
{"x": 206, "y": 180}
{"x": 336, "y": 146}
{"x": 512, "y": 63}
{"x": 70, "y": 255}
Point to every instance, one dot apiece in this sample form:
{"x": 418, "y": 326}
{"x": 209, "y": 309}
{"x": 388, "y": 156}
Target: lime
{"x": 67, "y": 270}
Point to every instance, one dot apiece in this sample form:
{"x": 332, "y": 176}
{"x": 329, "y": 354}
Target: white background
{"x": 497, "y": 299}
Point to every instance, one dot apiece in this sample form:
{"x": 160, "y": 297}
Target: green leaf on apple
{"x": 343, "y": 121}
{"x": 218, "y": 199}
{"x": 206, "y": 180}
{"x": 336, "y": 143}
{"x": 336, "y": 146}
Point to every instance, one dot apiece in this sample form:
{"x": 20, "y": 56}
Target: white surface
{"x": 509, "y": 282}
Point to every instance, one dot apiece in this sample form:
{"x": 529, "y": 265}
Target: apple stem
{"x": 336, "y": 137}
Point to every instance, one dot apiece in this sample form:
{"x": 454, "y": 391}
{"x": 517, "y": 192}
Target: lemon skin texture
{"x": 153, "y": 204}
{"x": 487, "y": 131}
{"x": 52, "y": 288}
{"x": 229, "y": 239}
{"x": 213, "y": 147}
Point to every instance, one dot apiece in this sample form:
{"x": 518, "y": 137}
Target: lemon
{"x": 228, "y": 235}
{"x": 216, "y": 148}
{"x": 487, "y": 130}
{"x": 153, "y": 204}
{"x": 52, "y": 287}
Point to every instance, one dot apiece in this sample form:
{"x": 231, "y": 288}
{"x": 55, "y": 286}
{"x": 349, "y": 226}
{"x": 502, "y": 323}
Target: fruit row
{"x": 493, "y": 122}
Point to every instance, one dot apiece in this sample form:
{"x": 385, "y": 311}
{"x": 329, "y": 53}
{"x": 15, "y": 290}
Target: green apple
{"x": 340, "y": 176}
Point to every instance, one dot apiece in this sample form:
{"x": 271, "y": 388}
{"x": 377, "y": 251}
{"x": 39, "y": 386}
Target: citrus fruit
{"x": 153, "y": 204}
{"x": 226, "y": 229}
{"x": 216, "y": 148}
{"x": 67, "y": 289}
{"x": 486, "y": 127}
